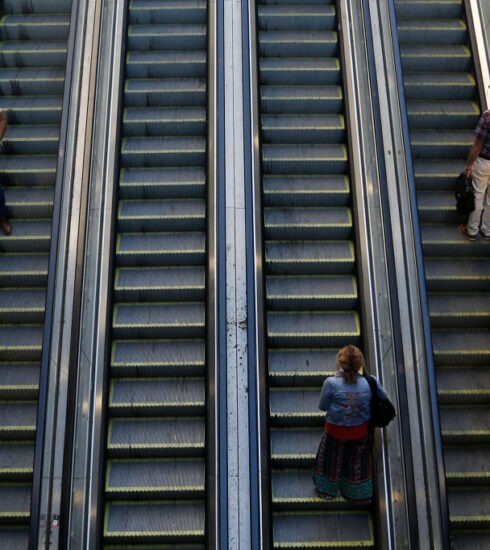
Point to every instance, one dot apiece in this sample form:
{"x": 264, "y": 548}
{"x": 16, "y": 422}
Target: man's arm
{"x": 3, "y": 124}
{"x": 474, "y": 152}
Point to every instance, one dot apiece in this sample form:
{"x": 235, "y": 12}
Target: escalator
{"x": 443, "y": 111}
{"x": 312, "y": 304}
{"x": 155, "y": 469}
{"x": 33, "y": 49}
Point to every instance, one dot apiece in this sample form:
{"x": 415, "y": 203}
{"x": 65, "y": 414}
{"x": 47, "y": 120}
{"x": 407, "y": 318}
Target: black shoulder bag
{"x": 382, "y": 410}
{"x": 465, "y": 195}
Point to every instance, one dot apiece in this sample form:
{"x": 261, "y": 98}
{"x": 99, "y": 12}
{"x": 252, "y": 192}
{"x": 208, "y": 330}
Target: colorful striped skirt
{"x": 344, "y": 465}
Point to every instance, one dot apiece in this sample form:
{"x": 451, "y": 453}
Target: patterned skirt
{"x": 345, "y": 465}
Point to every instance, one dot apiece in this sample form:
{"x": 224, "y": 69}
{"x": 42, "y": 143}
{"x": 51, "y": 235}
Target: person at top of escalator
{"x": 344, "y": 460}
{"x": 4, "y": 222}
{"x": 478, "y": 166}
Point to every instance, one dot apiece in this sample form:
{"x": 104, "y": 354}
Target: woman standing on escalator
{"x": 344, "y": 460}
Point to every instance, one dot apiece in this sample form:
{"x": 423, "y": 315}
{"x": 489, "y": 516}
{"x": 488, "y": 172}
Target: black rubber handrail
{"x": 424, "y": 306}
{"x": 393, "y": 287}
{"x": 51, "y": 289}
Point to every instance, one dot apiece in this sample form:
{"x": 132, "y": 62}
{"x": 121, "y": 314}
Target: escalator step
{"x": 161, "y": 183}
{"x": 465, "y": 425}
{"x": 295, "y": 407}
{"x": 462, "y": 540}
{"x": 162, "y": 121}
{"x": 464, "y": 310}
{"x": 156, "y": 479}
{"x": 15, "y": 504}
{"x": 23, "y": 269}
{"x": 156, "y": 437}
{"x": 170, "y": 11}
{"x": 164, "y": 151}
{"x": 166, "y": 64}
{"x": 165, "y": 91}
{"x": 467, "y": 466}
{"x": 165, "y": 37}
{"x": 28, "y": 171}
{"x": 31, "y": 53}
{"x": 16, "y": 461}
{"x": 304, "y": 17}
{"x": 21, "y": 343}
{"x": 41, "y": 6}
{"x": 27, "y": 236}
{"x": 436, "y": 174}
{"x": 467, "y": 508}
{"x": 294, "y": 367}
{"x": 154, "y": 522}
{"x": 27, "y": 202}
{"x": 436, "y": 206}
{"x": 303, "y": 128}
{"x": 432, "y": 31}
{"x": 158, "y": 358}
{"x": 301, "y": 99}
{"x": 17, "y": 420}
{"x": 310, "y": 223}
{"x": 285, "y": 43}
{"x": 436, "y": 57}
{"x": 461, "y": 347}
{"x": 294, "y": 447}
{"x": 27, "y": 81}
{"x": 289, "y": 71}
{"x": 442, "y": 114}
{"x": 456, "y": 274}
{"x": 35, "y": 140}
{"x": 314, "y": 257}
{"x": 22, "y": 305}
{"x": 428, "y": 8}
{"x": 313, "y": 329}
{"x": 32, "y": 109}
{"x": 162, "y": 215}
{"x": 441, "y": 143}
{"x": 300, "y": 293}
{"x": 462, "y": 385}
{"x": 36, "y": 27}
{"x": 304, "y": 159}
{"x": 306, "y": 190}
{"x": 443, "y": 241}
{"x": 156, "y": 396}
{"x": 159, "y": 284}
{"x": 19, "y": 380}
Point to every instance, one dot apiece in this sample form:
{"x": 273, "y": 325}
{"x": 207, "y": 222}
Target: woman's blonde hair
{"x": 350, "y": 359}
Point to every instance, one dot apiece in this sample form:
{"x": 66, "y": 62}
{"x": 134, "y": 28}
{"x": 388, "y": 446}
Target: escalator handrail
{"x": 51, "y": 286}
{"x": 424, "y": 306}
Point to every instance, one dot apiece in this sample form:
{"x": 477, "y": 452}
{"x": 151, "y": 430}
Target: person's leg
{"x": 481, "y": 179}
{"x": 485, "y": 219}
{"x": 357, "y": 472}
{"x": 328, "y": 466}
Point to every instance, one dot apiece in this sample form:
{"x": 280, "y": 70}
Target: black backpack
{"x": 465, "y": 195}
{"x": 382, "y": 410}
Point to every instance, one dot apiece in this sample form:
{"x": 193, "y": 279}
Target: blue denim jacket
{"x": 347, "y": 404}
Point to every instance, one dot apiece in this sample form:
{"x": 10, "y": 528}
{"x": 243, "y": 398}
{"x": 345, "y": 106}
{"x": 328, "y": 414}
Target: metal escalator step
{"x": 166, "y": 37}
{"x": 304, "y": 159}
{"x": 27, "y": 202}
{"x": 453, "y": 347}
{"x": 436, "y": 174}
{"x": 35, "y": 140}
{"x": 446, "y": 240}
{"x": 32, "y": 109}
{"x": 436, "y": 206}
{"x": 170, "y": 11}
{"x": 22, "y": 305}
{"x": 32, "y": 54}
{"x": 296, "y": 71}
{"x": 36, "y": 27}
{"x": 456, "y": 274}
{"x": 298, "y": 43}
{"x": 156, "y": 396}
{"x": 163, "y": 151}
{"x": 465, "y": 424}
{"x": 155, "y": 479}
{"x": 15, "y": 504}
{"x": 313, "y": 128}
{"x": 162, "y": 121}
{"x": 436, "y": 57}
{"x": 440, "y": 86}
{"x": 29, "y": 81}
{"x": 426, "y": 8}
{"x": 27, "y": 236}
{"x": 158, "y": 358}
{"x": 323, "y": 530}
{"x": 301, "y": 367}
{"x": 294, "y": 490}
{"x": 154, "y": 437}
{"x": 160, "y": 249}
{"x": 161, "y": 183}
{"x": 165, "y": 91}
{"x": 41, "y": 6}
{"x": 468, "y": 466}
{"x": 154, "y": 64}
{"x": 163, "y": 521}
{"x": 308, "y": 223}
{"x": 159, "y": 284}
{"x": 21, "y": 343}
{"x": 27, "y": 170}
{"x": 17, "y": 420}
{"x": 23, "y": 270}
{"x": 464, "y": 540}
{"x": 432, "y": 30}
{"x": 294, "y": 447}
{"x": 162, "y": 215}
{"x": 16, "y": 461}
{"x": 442, "y": 114}
{"x": 295, "y": 407}
{"x": 469, "y": 508}
{"x": 311, "y": 257}
{"x": 19, "y": 380}
{"x": 301, "y": 99}
{"x": 313, "y": 328}
{"x": 463, "y": 385}
{"x": 304, "y": 17}
{"x": 166, "y": 320}
{"x": 306, "y": 190}
{"x": 311, "y": 292}
{"x": 440, "y": 143}
{"x": 463, "y": 310}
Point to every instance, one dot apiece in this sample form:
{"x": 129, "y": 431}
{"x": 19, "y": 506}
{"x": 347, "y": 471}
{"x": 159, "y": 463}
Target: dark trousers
{"x": 3, "y": 208}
